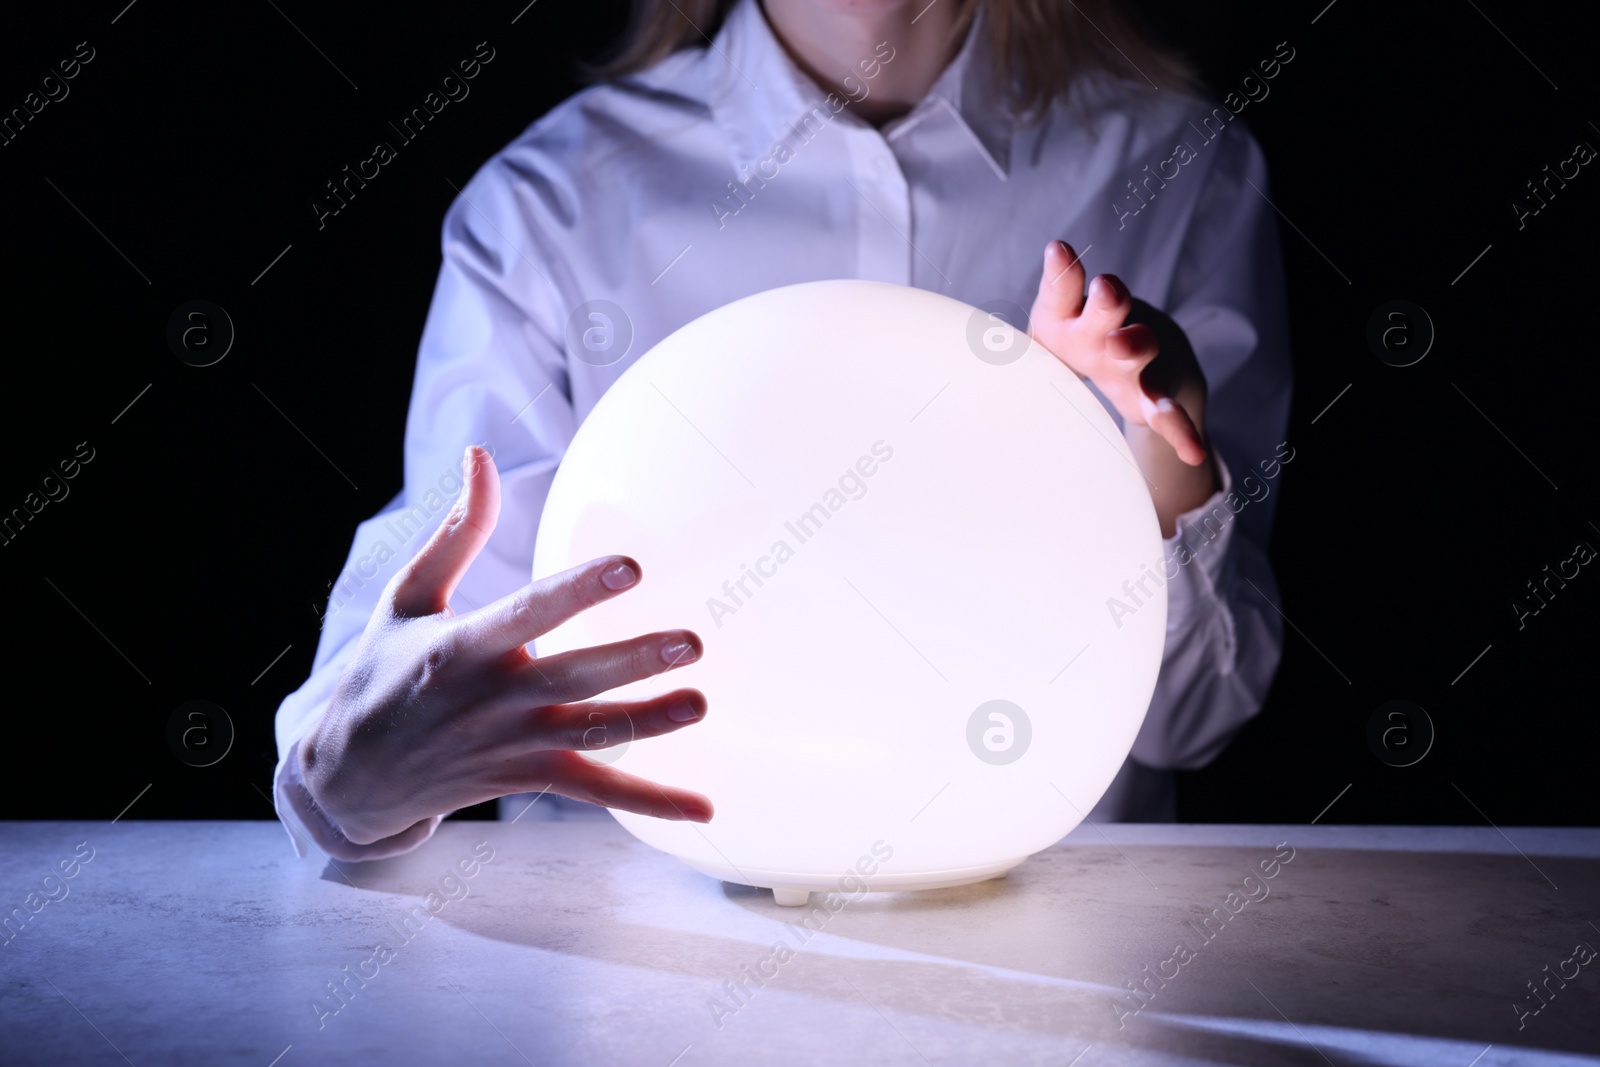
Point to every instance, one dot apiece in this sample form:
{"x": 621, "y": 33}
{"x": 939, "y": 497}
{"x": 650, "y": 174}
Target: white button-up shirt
{"x": 636, "y": 206}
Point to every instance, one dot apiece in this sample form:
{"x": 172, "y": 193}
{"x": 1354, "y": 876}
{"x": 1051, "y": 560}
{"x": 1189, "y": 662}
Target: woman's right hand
{"x": 439, "y": 711}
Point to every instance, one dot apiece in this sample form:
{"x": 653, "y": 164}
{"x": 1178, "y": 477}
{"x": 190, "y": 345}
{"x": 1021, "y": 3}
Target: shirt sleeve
{"x": 1224, "y": 632}
{"x": 491, "y": 370}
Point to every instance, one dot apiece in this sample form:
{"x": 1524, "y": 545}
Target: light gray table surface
{"x": 209, "y": 943}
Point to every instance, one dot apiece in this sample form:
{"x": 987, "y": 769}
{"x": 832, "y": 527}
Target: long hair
{"x": 1045, "y": 44}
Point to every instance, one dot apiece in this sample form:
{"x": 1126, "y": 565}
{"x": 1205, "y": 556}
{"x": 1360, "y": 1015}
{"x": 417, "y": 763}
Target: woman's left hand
{"x": 1135, "y": 355}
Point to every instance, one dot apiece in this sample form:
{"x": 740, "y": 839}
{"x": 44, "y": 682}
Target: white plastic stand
{"x": 791, "y": 898}
{"x": 792, "y": 889}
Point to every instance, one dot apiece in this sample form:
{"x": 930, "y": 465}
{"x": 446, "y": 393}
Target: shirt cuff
{"x": 304, "y": 820}
{"x": 1198, "y": 560}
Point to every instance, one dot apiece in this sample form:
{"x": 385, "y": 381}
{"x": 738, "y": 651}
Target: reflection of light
{"x": 968, "y": 566}
{"x": 1372, "y": 1046}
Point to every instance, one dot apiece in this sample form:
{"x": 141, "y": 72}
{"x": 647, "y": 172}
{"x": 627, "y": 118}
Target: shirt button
{"x": 880, "y": 166}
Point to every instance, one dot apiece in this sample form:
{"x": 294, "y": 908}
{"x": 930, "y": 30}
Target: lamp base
{"x": 793, "y": 889}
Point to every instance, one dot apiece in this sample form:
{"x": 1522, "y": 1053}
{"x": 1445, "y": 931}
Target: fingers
{"x": 424, "y": 585}
{"x": 1061, "y": 293}
{"x": 1061, "y": 284}
{"x": 1134, "y": 346}
{"x": 584, "y": 672}
{"x": 1172, "y": 422}
{"x": 537, "y": 608}
{"x": 1107, "y": 305}
{"x": 600, "y": 784}
{"x": 589, "y": 726}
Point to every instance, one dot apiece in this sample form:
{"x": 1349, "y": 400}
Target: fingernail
{"x": 683, "y": 711}
{"x": 618, "y": 576}
{"x": 1152, "y": 408}
{"x": 472, "y": 463}
{"x": 677, "y": 653}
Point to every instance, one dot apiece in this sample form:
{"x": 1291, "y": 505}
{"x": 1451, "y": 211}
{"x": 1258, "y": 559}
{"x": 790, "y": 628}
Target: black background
{"x": 198, "y": 543}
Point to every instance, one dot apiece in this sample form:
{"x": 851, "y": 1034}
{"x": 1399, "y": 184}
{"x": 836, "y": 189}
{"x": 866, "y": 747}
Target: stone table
{"x": 573, "y": 943}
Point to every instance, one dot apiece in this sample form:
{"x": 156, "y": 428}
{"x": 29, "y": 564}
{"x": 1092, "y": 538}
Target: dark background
{"x": 197, "y": 544}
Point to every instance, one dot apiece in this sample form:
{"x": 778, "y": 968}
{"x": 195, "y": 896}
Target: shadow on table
{"x": 1350, "y": 956}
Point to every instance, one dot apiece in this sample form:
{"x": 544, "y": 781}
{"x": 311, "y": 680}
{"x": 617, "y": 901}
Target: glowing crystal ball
{"x": 895, "y": 522}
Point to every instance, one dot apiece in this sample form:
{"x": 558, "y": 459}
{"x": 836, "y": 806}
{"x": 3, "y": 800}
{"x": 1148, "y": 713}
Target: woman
{"x": 942, "y": 145}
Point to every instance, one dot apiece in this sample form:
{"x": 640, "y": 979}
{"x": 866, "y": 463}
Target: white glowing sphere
{"x": 896, "y": 524}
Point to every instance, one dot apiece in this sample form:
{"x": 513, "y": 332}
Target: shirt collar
{"x": 758, "y": 94}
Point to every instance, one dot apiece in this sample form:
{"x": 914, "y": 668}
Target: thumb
{"x": 424, "y": 585}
